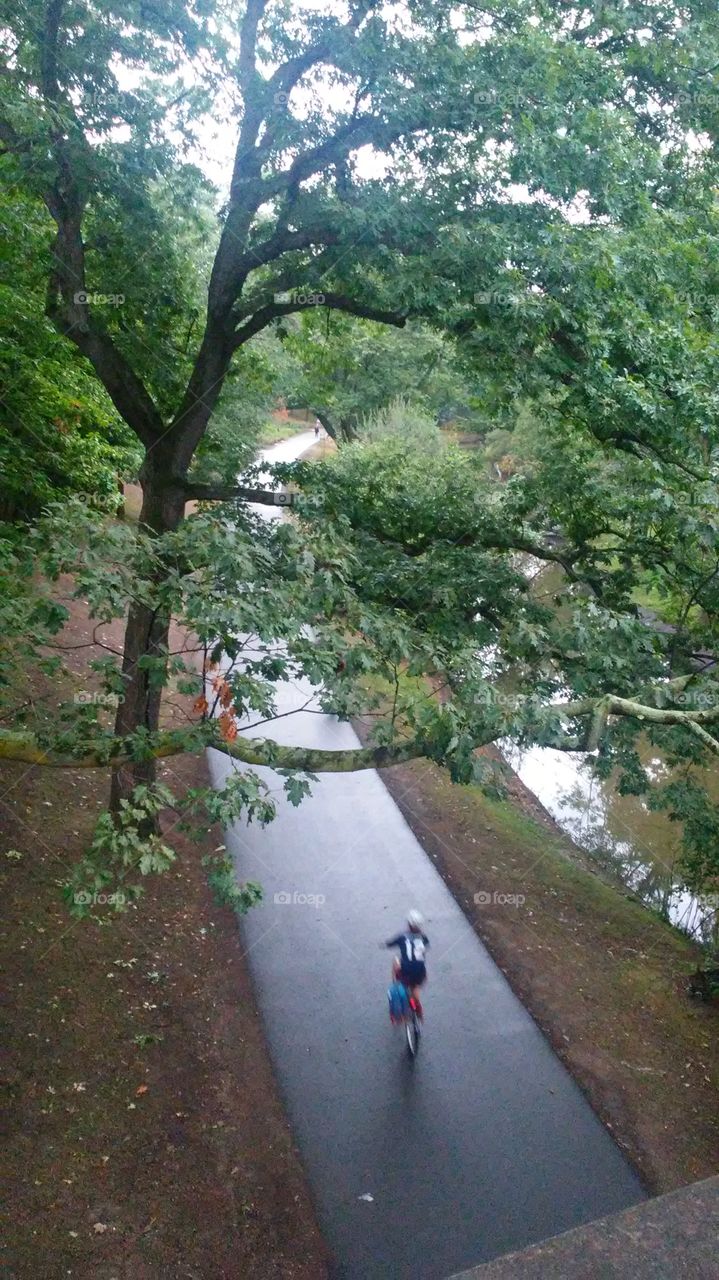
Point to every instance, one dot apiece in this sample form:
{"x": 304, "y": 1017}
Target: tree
{"x": 461, "y": 107}
{"x": 347, "y": 370}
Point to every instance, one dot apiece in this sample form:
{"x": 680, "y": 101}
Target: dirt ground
{"x": 603, "y": 976}
{"x": 145, "y": 1135}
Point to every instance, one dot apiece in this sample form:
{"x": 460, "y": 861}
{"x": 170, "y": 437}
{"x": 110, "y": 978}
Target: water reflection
{"x": 620, "y": 833}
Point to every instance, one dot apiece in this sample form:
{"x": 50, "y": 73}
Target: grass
{"x": 272, "y": 431}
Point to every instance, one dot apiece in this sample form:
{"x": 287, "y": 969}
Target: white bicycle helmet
{"x": 415, "y": 919}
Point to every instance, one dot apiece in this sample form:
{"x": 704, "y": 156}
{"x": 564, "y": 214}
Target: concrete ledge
{"x": 674, "y": 1237}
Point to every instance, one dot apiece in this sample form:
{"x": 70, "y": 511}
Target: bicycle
{"x": 411, "y": 1017}
{"x": 412, "y": 1023}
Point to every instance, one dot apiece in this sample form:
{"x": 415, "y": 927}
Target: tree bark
{"x": 147, "y": 630}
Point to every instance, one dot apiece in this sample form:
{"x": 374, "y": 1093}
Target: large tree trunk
{"x": 146, "y": 632}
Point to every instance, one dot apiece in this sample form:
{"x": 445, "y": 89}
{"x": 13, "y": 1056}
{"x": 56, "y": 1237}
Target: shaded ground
{"x": 602, "y": 975}
{"x": 145, "y": 1134}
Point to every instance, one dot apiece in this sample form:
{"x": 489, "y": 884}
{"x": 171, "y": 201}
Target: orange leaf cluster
{"x": 228, "y": 726}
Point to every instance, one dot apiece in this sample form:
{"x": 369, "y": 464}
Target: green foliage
{"x": 686, "y": 801}
{"x": 226, "y": 890}
{"x": 244, "y": 795}
{"x": 59, "y": 433}
{"x": 123, "y": 848}
{"x": 404, "y": 423}
{"x": 127, "y": 846}
{"x": 544, "y": 197}
{"x": 351, "y": 371}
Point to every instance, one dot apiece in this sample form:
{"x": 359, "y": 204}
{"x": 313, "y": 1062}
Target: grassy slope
{"x": 603, "y": 975}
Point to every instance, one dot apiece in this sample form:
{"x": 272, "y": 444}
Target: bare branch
{"x": 600, "y": 709}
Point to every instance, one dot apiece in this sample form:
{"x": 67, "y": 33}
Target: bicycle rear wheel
{"x": 413, "y": 1033}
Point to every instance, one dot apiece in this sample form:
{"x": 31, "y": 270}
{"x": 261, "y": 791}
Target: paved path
{"x": 484, "y": 1144}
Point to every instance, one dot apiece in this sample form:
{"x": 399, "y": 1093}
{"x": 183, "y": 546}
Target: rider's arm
{"x": 395, "y": 942}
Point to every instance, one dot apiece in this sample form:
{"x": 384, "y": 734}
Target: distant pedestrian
{"x": 318, "y": 424}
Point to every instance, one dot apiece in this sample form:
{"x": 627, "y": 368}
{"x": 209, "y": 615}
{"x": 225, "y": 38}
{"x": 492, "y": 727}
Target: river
{"x": 622, "y": 835}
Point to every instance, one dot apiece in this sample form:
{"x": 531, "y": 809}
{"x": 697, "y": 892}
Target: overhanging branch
{"x": 24, "y": 747}
{"x": 334, "y": 301}
{"x": 600, "y": 710}
{"x": 226, "y": 492}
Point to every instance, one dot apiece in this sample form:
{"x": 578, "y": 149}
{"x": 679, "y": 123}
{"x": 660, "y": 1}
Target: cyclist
{"x": 409, "y": 966}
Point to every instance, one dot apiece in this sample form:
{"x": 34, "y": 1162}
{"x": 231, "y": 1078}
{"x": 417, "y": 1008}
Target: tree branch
{"x": 358, "y": 132}
{"x": 254, "y": 751}
{"x": 126, "y": 390}
{"x": 66, "y": 197}
{"x": 26, "y": 748}
{"x": 226, "y": 492}
{"x": 334, "y": 301}
{"x": 600, "y": 709}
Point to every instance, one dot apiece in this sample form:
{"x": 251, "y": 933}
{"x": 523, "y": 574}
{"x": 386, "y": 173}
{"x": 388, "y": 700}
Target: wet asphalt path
{"x": 481, "y": 1146}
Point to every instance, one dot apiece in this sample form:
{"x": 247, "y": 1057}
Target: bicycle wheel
{"x": 413, "y": 1033}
